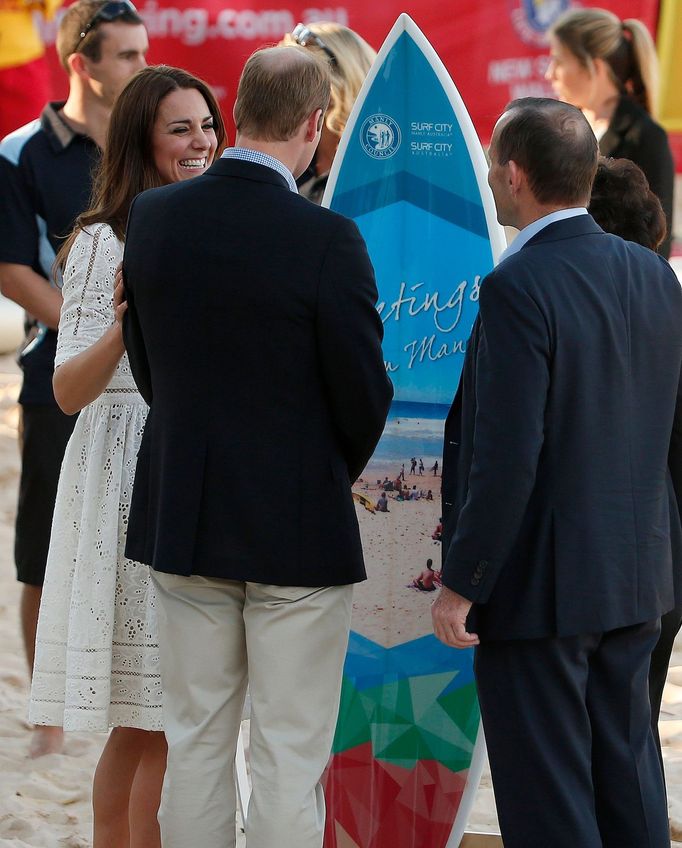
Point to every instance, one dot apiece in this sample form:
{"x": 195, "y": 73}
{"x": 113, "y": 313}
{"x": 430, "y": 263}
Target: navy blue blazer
{"x": 252, "y": 333}
{"x": 559, "y": 509}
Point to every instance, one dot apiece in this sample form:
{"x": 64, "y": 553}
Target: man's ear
{"x": 314, "y": 125}
{"x": 517, "y": 178}
{"x": 78, "y": 65}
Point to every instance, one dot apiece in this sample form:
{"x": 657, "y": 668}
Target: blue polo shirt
{"x": 45, "y": 183}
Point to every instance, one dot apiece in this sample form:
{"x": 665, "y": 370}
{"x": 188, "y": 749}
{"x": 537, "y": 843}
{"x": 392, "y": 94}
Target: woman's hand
{"x": 120, "y": 303}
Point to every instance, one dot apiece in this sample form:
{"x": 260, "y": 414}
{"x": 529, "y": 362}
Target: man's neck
{"x": 87, "y": 116}
{"x": 529, "y": 216}
{"x": 283, "y": 151}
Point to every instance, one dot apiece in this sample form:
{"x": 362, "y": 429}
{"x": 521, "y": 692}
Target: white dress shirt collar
{"x": 534, "y": 228}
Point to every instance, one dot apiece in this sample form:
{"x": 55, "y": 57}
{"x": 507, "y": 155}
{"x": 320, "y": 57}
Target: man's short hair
{"x": 278, "y": 89}
{"x": 554, "y": 145}
{"x": 75, "y": 20}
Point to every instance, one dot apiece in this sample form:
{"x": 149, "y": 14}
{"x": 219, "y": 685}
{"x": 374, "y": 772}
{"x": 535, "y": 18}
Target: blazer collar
{"x": 627, "y": 112}
{"x": 581, "y": 225}
{"x": 246, "y": 171}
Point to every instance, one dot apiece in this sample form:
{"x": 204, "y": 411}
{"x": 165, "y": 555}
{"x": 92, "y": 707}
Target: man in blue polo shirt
{"x": 45, "y": 183}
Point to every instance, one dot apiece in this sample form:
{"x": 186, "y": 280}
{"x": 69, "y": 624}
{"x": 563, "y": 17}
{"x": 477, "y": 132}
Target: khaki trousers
{"x": 288, "y": 644}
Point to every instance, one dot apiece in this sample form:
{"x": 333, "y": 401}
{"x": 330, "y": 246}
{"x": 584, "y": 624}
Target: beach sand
{"x": 397, "y": 545}
{"x": 45, "y": 803}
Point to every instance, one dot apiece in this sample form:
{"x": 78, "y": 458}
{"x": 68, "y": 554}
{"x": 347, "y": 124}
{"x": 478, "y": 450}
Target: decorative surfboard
{"x": 411, "y": 172}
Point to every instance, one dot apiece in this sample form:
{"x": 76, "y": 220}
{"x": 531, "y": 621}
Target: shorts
{"x": 46, "y": 432}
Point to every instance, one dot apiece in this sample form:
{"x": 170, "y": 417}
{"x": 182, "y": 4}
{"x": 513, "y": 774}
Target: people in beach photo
{"x": 428, "y": 580}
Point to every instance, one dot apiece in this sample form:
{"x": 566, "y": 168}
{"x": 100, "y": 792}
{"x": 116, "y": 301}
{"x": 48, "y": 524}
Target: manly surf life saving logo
{"x": 380, "y": 136}
{"x": 532, "y": 18}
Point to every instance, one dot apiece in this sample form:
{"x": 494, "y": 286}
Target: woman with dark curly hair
{"x": 623, "y": 204}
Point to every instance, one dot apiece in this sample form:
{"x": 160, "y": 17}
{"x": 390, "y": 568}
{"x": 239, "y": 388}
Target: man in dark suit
{"x": 252, "y": 333}
{"x": 559, "y": 511}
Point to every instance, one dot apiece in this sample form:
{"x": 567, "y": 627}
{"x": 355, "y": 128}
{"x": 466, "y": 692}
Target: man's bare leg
{"x": 46, "y": 740}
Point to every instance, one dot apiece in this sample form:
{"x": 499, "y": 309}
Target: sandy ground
{"x": 45, "y": 803}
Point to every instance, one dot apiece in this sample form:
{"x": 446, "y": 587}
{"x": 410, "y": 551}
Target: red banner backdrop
{"x": 495, "y": 50}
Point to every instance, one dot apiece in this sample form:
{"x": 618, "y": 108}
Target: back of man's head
{"x": 79, "y": 29}
{"x": 279, "y": 88}
{"x": 554, "y": 145}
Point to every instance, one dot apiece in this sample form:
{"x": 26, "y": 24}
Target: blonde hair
{"x": 278, "y": 89}
{"x": 625, "y": 46}
{"x": 353, "y": 56}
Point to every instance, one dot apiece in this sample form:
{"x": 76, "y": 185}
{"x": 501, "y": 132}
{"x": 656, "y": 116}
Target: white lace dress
{"x": 97, "y": 661}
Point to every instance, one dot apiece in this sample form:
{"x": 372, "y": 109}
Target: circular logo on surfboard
{"x": 380, "y": 136}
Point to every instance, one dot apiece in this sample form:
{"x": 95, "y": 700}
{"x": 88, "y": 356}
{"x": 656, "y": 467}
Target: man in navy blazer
{"x": 253, "y": 334}
{"x": 560, "y": 519}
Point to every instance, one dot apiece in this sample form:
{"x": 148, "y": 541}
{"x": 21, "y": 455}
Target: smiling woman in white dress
{"x": 97, "y": 661}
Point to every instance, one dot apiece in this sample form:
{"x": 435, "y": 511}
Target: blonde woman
{"x": 350, "y": 58}
{"x": 608, "y": 69}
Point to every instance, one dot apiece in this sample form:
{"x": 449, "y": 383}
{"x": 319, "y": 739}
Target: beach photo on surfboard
{"x": 411, "y": 172}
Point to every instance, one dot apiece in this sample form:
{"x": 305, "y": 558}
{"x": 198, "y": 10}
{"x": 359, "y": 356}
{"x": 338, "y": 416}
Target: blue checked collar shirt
{"x": 247, "y": 155}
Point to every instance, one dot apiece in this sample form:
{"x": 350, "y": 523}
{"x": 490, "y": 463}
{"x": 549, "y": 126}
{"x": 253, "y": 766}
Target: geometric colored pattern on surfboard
{"x": 404, "y": 741}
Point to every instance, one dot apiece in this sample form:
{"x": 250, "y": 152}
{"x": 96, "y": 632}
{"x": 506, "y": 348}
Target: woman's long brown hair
{"x": 127, "y": 165}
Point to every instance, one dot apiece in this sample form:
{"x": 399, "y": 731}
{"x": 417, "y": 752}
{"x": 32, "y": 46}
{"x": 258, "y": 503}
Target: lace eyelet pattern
{"x": 97, "y": 656}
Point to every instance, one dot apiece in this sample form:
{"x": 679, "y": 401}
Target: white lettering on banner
{"x": 541, "y": 64}
{"x": 193, "y": 25}
{"x": 524, "y": 77}
{"x": 530, "y": 89}
{"x": 504, "y": 71}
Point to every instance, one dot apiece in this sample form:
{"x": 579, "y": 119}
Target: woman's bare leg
{"x": 146, "y": 793}
{"x": 112, "y": 785}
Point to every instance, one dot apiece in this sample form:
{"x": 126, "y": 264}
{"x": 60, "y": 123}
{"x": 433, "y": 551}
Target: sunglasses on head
{"x": 304, "y": 36}
{"x": 111, "y": 11}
